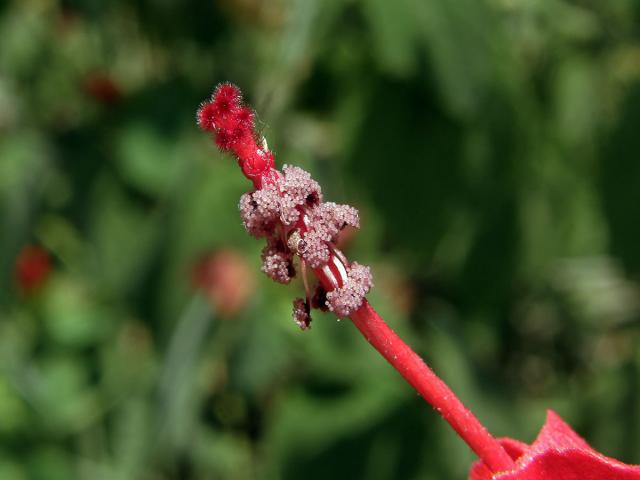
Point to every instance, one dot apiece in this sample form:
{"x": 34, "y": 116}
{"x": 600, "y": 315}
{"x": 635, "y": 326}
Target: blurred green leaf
{"x": 61, "y": 394}
{"x": 148, "y": 160}
{"x": 73, "y": 317}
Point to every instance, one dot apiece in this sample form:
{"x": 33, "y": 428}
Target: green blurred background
{"x": 491, "y": 146}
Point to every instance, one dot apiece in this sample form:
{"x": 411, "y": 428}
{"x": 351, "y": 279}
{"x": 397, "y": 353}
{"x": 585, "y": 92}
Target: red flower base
{"x": 558, "y": 453}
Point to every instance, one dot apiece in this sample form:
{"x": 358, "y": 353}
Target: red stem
{"x": 431, "y": 388}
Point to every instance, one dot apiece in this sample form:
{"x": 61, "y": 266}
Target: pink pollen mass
{"x": 347, "y": 299}
{"x": 277, "y": 265}
{"x": 260, "y": 211}
{"x": 316, "y": 252}
{"x": 297, "y": 187}
{"x": 324, "y": 223}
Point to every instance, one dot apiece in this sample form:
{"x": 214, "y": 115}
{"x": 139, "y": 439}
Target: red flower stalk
{"x": 32, "y": 268}
{"x": 287, "y": 209}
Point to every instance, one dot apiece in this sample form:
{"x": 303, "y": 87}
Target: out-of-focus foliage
{"x": 491, "y": 145}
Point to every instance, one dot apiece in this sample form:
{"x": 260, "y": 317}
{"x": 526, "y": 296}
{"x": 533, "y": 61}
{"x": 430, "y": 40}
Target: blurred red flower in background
{"x": 102, "y": 87}
{"x": 225, "y": 279}
{"x": 33, "y": 266}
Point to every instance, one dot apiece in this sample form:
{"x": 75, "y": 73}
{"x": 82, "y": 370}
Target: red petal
{"x": 572, "y": 464}
{"x": 558, "y": 453}
{"x": 557, "y": 435}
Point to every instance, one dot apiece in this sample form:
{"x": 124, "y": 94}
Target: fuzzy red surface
{"x": 233, "y": 126}
{"x": 558, "y": 453}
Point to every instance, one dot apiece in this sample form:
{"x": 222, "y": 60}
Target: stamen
{"x": 277, "y": 261}
{"x": 301, "y": 314}
{"x": 303, "y": 267}
{"x": 348, "y": 298}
